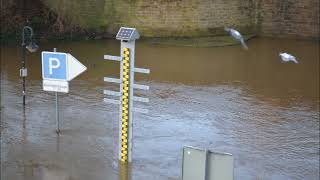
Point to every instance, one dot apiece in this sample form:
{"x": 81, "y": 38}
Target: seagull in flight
{"x": 285, "y": 57}
{"x": 235, "y": 34}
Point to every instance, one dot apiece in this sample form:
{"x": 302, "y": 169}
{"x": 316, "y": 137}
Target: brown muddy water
{"x": 247, "y": 103}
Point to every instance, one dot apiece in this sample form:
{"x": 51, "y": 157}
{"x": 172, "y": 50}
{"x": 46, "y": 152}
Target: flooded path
{"x": 242, "y": 102}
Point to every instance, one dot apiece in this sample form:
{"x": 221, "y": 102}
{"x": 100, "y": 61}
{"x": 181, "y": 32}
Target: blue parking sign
{"x": 54, "y": 66}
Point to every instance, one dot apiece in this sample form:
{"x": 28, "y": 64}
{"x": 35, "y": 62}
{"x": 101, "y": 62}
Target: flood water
{"x": 246, "y": 103}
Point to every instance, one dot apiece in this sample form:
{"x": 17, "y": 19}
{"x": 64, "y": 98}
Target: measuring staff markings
{"x": 125, "y": 105}
{"x": 126, "y": 96}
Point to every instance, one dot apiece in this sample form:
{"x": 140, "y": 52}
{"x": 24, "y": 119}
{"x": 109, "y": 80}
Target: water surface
{"x": 247, "y": 103}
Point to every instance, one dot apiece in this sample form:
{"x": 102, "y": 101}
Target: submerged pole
{"x": 57, "y": 106}
{"x": 22, "y": 73}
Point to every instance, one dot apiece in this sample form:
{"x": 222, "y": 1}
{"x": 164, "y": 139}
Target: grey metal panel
{"x": 142, "y": 70}
{"x": 113, "y": 58}
{"x": 140, "y": 99}
{"x": 200, "y": 164}
{"x": 194, "y": 164}
{"x": 135, "y": 35}
{"x": 120, "y": 107}
{"x": 220, "y": 166}
{"x": 111, "y": 93}
{"x": 142, "y": 87}
{"x": 112, "y": 80}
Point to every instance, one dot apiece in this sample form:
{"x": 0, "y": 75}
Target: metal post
{"x": 57, "y": 113}
{"x": 125, "y": 171}
{"x": 57, "y": 106}
{"x": 130, "y": 46}
{"x": 126, "y": 95}
{"x": 23, "y": 71}
{"x": 23, "y": 77}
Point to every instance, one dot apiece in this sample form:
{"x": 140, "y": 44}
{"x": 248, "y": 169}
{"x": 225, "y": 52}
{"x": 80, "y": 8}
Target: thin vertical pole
{"x": 57, "y": 106}
{"x": 120, "y": 107}
{"x": 125, "y": 171}
{"x": 57, "y": 112}
{"x": 23, "y": 77}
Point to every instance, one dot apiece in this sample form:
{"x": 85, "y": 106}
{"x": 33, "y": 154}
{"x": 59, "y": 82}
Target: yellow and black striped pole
{"x": 125, "y": 104}
{"x": 126, "y": 96}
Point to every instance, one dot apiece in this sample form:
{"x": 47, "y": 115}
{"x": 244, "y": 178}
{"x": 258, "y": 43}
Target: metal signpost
{"x": 57, "y": 70}
{"x": 32, "y": 47}
{"x": 125, "y": 97}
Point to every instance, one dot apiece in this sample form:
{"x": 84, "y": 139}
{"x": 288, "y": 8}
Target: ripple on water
{"x": 265, "y": 114}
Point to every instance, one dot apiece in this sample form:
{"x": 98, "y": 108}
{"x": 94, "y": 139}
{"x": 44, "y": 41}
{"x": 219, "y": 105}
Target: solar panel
{"x": 127, "y": 34}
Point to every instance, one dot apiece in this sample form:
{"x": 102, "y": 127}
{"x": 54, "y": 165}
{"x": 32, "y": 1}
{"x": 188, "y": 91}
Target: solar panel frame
{"x": 125, "y": 33}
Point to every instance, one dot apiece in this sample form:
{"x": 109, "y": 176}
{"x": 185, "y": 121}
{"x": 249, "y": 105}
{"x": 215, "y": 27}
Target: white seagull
{"x": 234, "y": 33}
{"x": 285, "y": 57}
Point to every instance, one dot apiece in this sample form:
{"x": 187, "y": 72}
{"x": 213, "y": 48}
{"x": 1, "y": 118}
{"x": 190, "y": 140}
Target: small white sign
{"x": 56, "y": 86}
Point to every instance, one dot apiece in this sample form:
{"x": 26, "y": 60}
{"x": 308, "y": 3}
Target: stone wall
{"x": 185, "y": 17}
{"x": 282, "y": 18}
{"x": 159, "y": 18}
{"x": 166, "y": 18}
{"x": 289, "y": 18}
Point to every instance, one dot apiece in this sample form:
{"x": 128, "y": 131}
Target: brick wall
{"x": 172, "y": 18}
{"x": 290, "y": 18}
{"x": 285, "y": 18}
{"x": 185, "y": 17}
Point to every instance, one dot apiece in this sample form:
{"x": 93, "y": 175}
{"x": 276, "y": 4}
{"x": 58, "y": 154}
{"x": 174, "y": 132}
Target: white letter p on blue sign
{"x": 54, "y": 66}
{"x": 58, "y": 69}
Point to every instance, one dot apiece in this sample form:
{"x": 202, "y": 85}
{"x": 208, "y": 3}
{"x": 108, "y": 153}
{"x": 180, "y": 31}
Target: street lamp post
{"x": 32, "y": 47}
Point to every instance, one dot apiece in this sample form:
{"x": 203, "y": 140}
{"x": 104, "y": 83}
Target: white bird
{"x": 285, "y": 57}
{"x": 236, "y": 34}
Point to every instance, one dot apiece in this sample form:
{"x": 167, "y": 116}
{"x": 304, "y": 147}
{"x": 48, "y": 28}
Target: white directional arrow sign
{"x": 74, "y": 67}
{"x": 58, "y": 69}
